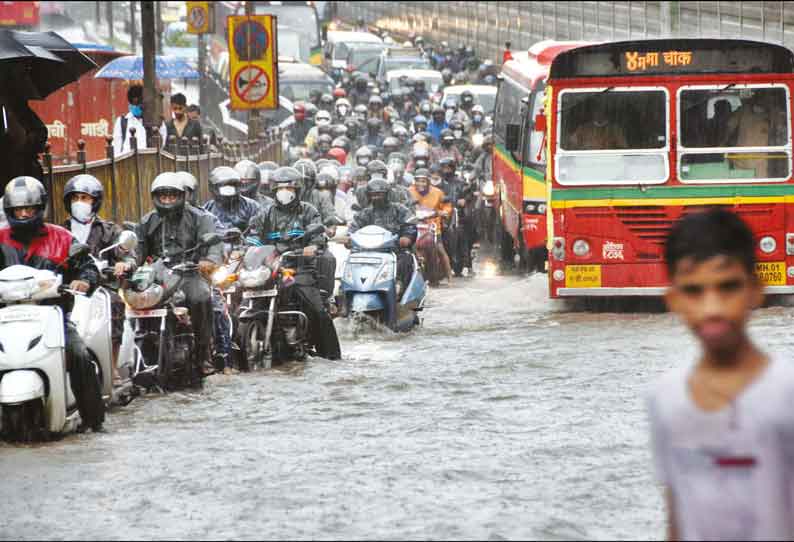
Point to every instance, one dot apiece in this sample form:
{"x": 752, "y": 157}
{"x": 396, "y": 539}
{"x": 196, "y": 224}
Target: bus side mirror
{"x": 512, "y": 136}
{"x": 540, "y": 123}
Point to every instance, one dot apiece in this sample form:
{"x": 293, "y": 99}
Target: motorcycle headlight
{"x": 222, "y": 278}
{"x": 146, "y": 299}
{"x": 488, "y": 189}
{"x": 477, "y": 139}
{"x": 254, "y": 277}
{"x": 386, "y": 274}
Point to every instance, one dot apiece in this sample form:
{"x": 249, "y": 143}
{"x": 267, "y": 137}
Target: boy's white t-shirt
{"x": 730, "y": 471}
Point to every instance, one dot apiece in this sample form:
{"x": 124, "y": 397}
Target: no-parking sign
{"x": 199, "y": 17}
{"x": 253, "y": 62}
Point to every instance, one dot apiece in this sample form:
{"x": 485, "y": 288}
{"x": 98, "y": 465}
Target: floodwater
{"x": 503, "y": 417}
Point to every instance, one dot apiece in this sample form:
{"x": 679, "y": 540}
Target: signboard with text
{"x": 253, "y": 62}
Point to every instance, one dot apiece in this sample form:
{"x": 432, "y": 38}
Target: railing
{"x": 127, "y": 178}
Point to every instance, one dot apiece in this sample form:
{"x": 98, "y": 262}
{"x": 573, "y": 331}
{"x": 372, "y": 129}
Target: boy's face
{"x": 715, "y": 298}
{"x": 178, "y": 110}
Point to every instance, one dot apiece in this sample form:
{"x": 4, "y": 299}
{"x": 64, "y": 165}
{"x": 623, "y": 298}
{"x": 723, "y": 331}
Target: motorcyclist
{"x": 420, "y": 93}
{"x": 363, "y": 156}
{"x": 402, "y": 136}
{"x": 420, "y": 124}
{"x": 397, "y": 163}
{"x": 308, "y": 192}
{"x": 360, "y": 93}
{"x": 327, "y": 181}
{"x": 447, "y": 149}
{"x": 375, "y": 108}
{"x": 438, "y": 124}
{"x": 300, "y": 128}
{"x": 394, "y": 218}
{"x": 420, "y": 158}
{"x": 467, "y": 101}
{"x": 483, "y": 166}
{"x": 28, "y": 240}
{"x": 338, "y": 153}
{"x": 314, "y": 96}
{"x": 228, "y": 205}
{"x": 478, "y": 120}
{"x": 249, "y": 178}
{"x": 462, "y": 143}
{"x": 326, "y": 103}
{"x": 342, "y": 108}
{"x": 352, "y": 131}
{"x": 290, "y": 213}
{"x": 321, "y": 119}
{"x": 446, "y": 75}
{"x": 395, "y": 172}
{"x": 171, "y": 229}
{"x": 322, "y": 147}
{"x": 83, "y": 196}
{"x": 360, "y": 113}
{"x": 373, "y": 137}
{"x": 461, "y": 195}
{"x": 426, "y": 196}
{"x": 390, "y": 145}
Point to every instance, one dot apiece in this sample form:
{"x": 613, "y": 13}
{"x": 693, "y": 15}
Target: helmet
{"x": 314, "y": 96}
{"x": 425, "y": 108}
{"x": 447, "y": 161}
{"x": 456, "y": 127}
{"x": 420, "y": 119}
{"x": 324, "y": 129}
{"x": 373, "y": 124}
{"x": 390, "y": 145}
{"x": 84, "y": 184}
{"x": 338, "y": 130}
{"x": 299, "y": 110}
{"x": 169, "y": 182}
{"x": 266, "y": 170}
{"x": 324, "y": 143}
{"x": 363, "y": 156}
{"x": 421, "y": 173}
{"x": 223, "y": 176}
{"x": 190, "y": 183}
{"x": 378, "y": 185}
{"x": 249, "y": 177}
{"x": 360, "y": 174}
{"x": 361, "y": 83}
{"x": 438, "y": 113}
{"x": 342, "y": 107}
{"x": 466, "y": 99}
{"x": 339, "y": 154}
{"x": 322, "y": 117}
{"x": 25, "y": 191}
{"x": 326, "y": 102}
{"x": 401, "y": 134}
{"x": 446, "y": 74}
{"x": 307, "y": 172}
{"x": 360, "y": 111}
{"x": 339, "y": 92}
{"x": 287, "y": 177}
{"x": 377, "y": 168}
{"x": 328, "y": 178}
{"x": 375, "y": 101}
{"x": 447, "y": 138}
{"x": 341, "y": 143}
{"x": 477, "y": 115}
{"x": 450, "y": 102}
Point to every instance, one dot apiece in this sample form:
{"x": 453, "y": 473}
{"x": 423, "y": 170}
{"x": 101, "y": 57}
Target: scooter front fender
{"x": 21, "y": 386}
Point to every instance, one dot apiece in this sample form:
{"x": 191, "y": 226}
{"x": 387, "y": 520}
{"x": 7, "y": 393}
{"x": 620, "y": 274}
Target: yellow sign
{"x": 636, "y": 61}
{"x": 198, "y": 17}
{"x": 583, "y": 276}
{"x": 771, "y": 273}
{"x": 253, "y": 62}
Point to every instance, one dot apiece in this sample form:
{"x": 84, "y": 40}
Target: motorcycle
{"x": 337, "y": 247}
{"x": 36, "y": 399}
{"x": 163, "y": 332}
{"x": 271, "y": 319}
{"x": 369, "y": 282}
{"x": 489, "y": 220}
{"x": 430, "y": 257}
{"x": 224, "y": 283}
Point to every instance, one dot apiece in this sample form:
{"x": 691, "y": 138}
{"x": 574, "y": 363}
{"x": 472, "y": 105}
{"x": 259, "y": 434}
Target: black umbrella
{"x": 36, "y": 64}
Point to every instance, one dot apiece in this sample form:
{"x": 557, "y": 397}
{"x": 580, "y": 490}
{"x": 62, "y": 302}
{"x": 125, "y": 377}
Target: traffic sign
{"x": 198, "y": 17}
{"x": 253, "y": 57}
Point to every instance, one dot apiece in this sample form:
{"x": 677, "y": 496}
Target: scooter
{"x": 369, "y": 282}
{"x": 36, "y": 398}
{"x": 428, "y": 236}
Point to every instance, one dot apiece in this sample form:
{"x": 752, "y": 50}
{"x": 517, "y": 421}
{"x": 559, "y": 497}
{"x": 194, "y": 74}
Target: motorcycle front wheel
{"x": 252, "y": 344}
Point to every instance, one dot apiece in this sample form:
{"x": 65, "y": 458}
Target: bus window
{"x": 508, "y": 110}
{"x": 536, "y": 152}
{"x": 734, "y": 133}
{"x": 613, "y": 135}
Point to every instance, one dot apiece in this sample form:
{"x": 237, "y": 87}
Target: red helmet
{"x": 340, "y": 93}
{"x": 299, "y": 110}
{"x": 338, "y": 154}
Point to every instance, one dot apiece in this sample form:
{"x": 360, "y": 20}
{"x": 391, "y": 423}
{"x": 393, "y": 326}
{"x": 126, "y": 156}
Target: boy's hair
{"x": 702, "y": 236}
{"x": 193, "y": 108}
{"x": 135, "y": 91}
{"x": 179, "y": 99}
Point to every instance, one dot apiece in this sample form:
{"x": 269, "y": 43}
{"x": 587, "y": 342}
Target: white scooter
{"x": 35, "y": 396}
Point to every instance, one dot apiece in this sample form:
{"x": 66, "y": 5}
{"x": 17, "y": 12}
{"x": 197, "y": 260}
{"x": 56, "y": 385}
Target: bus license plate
{"x": 151, "y": 313}
{"x": 582, "y": 276}
{"x": 250, "y": 294}
{"x": 771, "y": 273}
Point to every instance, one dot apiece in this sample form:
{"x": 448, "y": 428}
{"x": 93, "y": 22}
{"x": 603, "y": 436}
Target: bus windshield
{"x": 297, "y": 19}
{"x": 612, "y": 135}
{"x": 730, "y": 133}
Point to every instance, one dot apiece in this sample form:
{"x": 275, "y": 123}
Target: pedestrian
{"x": 181, "y": 125}
{"x": 122, "y": 128}
{"x": 722, "y": 430}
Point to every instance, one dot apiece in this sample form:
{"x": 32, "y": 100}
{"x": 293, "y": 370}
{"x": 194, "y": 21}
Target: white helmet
{"x": 322, "y": 117}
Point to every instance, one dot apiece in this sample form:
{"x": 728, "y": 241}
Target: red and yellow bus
{"x": 641, "y": 133}
{"x": 519, "y": 169}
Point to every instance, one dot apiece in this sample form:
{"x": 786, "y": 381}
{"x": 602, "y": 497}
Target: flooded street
{"x": 501, "y": 418}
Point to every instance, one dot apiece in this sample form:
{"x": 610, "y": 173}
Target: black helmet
{"x": 338, "y": 130}
{"x": 466, "y": 99}
{"x": 287, "y": 177}
{"x": 169, "y": 183}
{"x": 326, "y": 102}
{"x": 342, "y": 143}
{"x": 360, "y": 173}
{"x": 378, "y": 185}
{"x": 223, "y": 176}
{"x": 390, "y": 144}
{"x": 361, "y": 82}
{"x": 373, "y": 124}
{"x": 328, "y": 178}
{"x": 307, "y": 172}
{"x": 377, "y": 168}
{"x": 190, "y": 183}
{"x": 324, "y": 129}
{"x": 447, "y": 137}
{"x": 84, "y": 184}
{"x": 25, "y": 191}
{"x": 324, "y": 142}
{"x": 314, "y": 96}
{"x": 375, "y": 101}
{"x": 249, "y": 177}
{"x": 363, "y": 156}
{"x": 422, "y": 173}
{"x": 447, "y": 161}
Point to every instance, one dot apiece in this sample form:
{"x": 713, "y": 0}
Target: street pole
{"x": 151, "y": 112}
{"x": 253, "y": 114}
{"x": 202, "y": 68}
{"x": 109, "y": 13}
{"x": 97, "y": 15}
{"x": 159, "y": 22}
{"x": 133, "y": 37}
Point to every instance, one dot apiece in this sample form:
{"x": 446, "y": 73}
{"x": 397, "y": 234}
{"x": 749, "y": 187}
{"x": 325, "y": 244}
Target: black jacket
{"x": 158, "y": 237}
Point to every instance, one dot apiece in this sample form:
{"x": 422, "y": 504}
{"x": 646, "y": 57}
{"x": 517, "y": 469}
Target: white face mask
{"x": 81, "y": 211}
{"x": 227, "y": 191}
{"x": 285, "y": 196}
{"x": 458, "y": 134}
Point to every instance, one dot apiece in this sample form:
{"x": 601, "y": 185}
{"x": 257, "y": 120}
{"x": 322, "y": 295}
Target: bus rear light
{"x": 558, "y": 248}
{"x": 790, "y": 244}
{"x": 581, "y": 248}
{"x": 767, "y": 244}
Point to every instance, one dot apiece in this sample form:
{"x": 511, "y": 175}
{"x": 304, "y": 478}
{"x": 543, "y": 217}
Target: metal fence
{"x": 488, "y": 25}
{"x": 127, "y": 179}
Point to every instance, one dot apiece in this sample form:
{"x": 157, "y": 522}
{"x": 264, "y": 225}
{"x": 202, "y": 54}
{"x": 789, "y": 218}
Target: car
{"x": 338, "y": 46}
{"x": 297, "y": 80}
{"x": 485, "y": 95}
{"x": 400, "y": 58}
{"x": 398, "y": 79}
{"x": 365, "y": 58}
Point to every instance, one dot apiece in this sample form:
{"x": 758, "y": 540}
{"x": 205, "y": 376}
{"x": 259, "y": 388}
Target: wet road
{"x": 501, "y": 418}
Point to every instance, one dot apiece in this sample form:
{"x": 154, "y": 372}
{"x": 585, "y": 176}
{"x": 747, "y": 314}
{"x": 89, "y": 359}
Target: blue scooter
{"x": 369, "y": 281}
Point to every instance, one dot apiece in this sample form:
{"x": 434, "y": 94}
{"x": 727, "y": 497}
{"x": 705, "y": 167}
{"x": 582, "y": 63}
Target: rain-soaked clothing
{"x": 233, "y": 212}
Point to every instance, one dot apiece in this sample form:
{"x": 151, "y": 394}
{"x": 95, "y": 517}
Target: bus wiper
{"x": 706, "y": 100}
{"x": 591, "y": 97}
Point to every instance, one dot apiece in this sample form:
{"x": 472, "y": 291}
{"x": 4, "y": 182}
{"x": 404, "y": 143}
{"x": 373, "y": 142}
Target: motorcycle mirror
{"x": 232, "y": 234}
{"x": 209, "y": 239}
{"x": 78, "y": 250}
{"x": 128, "y": 241}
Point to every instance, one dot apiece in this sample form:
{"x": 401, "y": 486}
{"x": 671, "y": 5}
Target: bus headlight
{"x": 581, "y": 248}
{"x": 767, "y": 244}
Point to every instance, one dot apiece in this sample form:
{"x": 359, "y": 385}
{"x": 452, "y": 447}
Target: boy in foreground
{"x": 722, "y": 429}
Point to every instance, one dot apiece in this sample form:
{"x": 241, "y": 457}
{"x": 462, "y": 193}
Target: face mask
{"x": 363, "y": 161}
{"x": 227, "y": 191}
{"x": 458, "y": 134}
{"x": 136, "y": 110}
{"x": 81, "y": 211}
{"x": 477, "y": 119}
{"x": 285, "y": 196}
{"x": 435, "y": 181}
